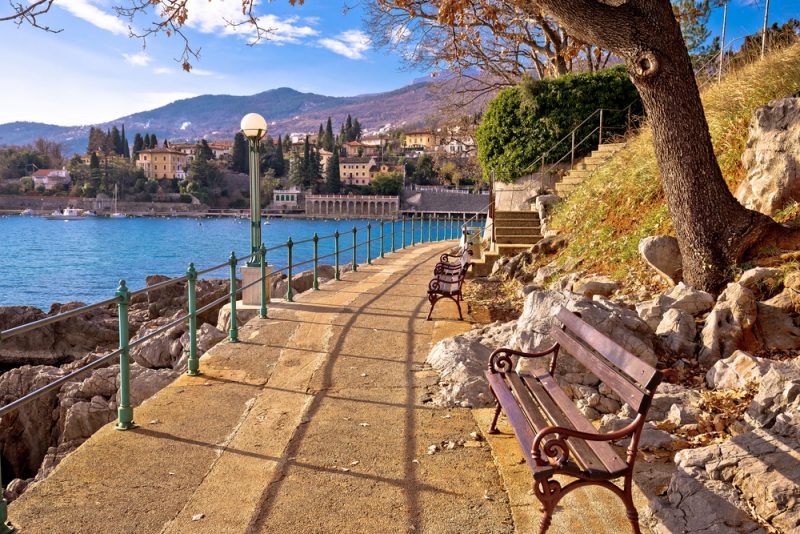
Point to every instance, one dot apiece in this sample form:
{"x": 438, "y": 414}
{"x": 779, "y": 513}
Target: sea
{"x": 45, "y": 261}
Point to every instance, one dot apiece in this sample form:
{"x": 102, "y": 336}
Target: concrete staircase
{"x": 586, "y": 168}
{"x": 515, "y": 232}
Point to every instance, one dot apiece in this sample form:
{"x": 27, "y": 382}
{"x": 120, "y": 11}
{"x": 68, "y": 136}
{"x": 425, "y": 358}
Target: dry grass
{"x": 623, "y": 201}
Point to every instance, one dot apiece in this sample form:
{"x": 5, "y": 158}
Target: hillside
{"x": 623, "y": 202}
{"x": 218, "y": 116}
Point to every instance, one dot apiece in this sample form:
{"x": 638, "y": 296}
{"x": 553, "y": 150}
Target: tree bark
{"x": 713, "y": 229}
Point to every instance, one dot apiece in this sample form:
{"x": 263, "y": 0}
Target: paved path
{"x": 315, "y": 422}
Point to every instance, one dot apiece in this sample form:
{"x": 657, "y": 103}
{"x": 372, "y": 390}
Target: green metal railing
{"x": 444, "y": 230}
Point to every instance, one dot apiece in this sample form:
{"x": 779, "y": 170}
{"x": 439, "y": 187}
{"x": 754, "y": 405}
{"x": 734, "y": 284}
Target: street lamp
{"x": 254, "y": 127}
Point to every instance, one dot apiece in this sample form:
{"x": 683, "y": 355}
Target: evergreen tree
{"x": 287, "y": 143}
{"x": 356, "y": 130}
{"x": 147, "y": 144}
{"x": 166, "y": 144}
{"x": 116, "y": 141}
{"x": 348, "y": 129}
{"x": 239, "y": 154}
{"x": 333, "y": 180}
{"x": 320, "y": 137}
{"x": 94, "y": 161}
{"x": 138, "y": 145}
{"x": 280, "y": 163}
{"x": 295, "y": 170}
{"x": 126, "y": 150}
{"x": 329, "y": 139}
{"x": 306, "y": 165}
{"x": 153, "y": 141}
{"x": 204, "y": 151}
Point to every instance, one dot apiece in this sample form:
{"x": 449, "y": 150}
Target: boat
{"x": 90, "y": 213}
{"x": 27, "y": 212}
{"x": 116, "y": 214}
{"x": 67, "y": 214}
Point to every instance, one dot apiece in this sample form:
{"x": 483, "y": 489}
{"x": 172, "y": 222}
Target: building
{"x": 324, "y": 158}
{"x": 52, "y": 179}
{"x": 422, "y": 139}
{"x": 356, "y": 171}
{"x": 162, "y": 163}
{"x": 358, "y": 149}
{"x": 189, "y": 150}
{"x": 222, "y": 149}
{"x": 457, "y": 146}
{"x": 352, "y": 206}
{"x": 286, "y": 199}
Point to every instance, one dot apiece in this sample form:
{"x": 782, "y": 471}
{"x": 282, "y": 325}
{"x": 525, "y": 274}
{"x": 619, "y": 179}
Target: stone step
{"x": 505, "y": 215}
{"x": 513, "y": 249}
{"x": 529, "y": 239}
{"x": 516, "y": 230}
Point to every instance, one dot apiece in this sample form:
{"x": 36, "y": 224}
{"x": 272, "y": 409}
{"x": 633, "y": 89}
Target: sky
{"x": 92, "y": 71}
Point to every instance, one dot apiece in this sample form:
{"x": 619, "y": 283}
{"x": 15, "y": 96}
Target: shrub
{"x": 186, "y": 198}
{"x": 523, "y": 123}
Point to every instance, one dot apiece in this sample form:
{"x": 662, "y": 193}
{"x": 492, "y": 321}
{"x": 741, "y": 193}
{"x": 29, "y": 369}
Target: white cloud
{"x": 88, "y": 11}
{"x": 222, "y": 16}
{"x": 162, "y": 70}
{"x": 140, "y": 59}
{"x": 201, "y": 72}
{"x": 351, "y": 44}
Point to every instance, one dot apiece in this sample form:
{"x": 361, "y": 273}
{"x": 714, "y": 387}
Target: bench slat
{"x": 516, "y": 419}
{"x": 579, "y": 447}
{"x": 634, "y": 367}
{"x": 602, "y": 449}
{"x": 612, "y": 378}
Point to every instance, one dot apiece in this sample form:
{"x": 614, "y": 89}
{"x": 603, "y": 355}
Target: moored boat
{"x": 67, "y": 214}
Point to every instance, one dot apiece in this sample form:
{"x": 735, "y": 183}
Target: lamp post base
{"x": 251, "y": 296}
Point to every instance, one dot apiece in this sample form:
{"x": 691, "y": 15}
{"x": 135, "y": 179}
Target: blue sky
{"x": 93, "y": 72}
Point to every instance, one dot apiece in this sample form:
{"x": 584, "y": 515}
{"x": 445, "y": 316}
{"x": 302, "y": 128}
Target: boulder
{"x": 668, "y": 395}
{"x": 737, "y": 371}
{"x": 760, "y": 279}
{"x": 461, "y": 361}
{"x": 549, "y": 244}
{"x": 544, "y": 273}
{"x": 772, "y": 157}
{"x": 242, "y": 316}
{"x": 326, "y": 271}
{"x": 207, "y": 337}
{"x": 776, "y": 329}
{"x": 35, "y": 347}
{"x": 156, "y": 352}
{"x": 595, "y": 285}
{"x": 663, "y": 255}
{"x": 729, "y": 326}
{"x": 681, "y": 297}
{"x": 789, "y": 299}
{"x": 778, "y": 393}
{"x": 677, "y": 331}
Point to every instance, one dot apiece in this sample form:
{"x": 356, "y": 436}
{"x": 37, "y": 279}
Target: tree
{"x": 138, "y": 145}
{"x": 126, "y": 150}
{"x": 356, "y": 130}
{"x": 146, "y": 143}
{"x": 116, "y": 141}
{"x": 153, "y": 141}
{"x": 94, "y": 161}
{"x": 279, "y": 163}
{"x": 239, "y": 156}
{"x": 387, "y": 184}
{"x": 348, "y": 129}
{"x": 204, "y": 151}
{"x": 320, "y": 136}
{"x": 333, "y": 179}
{"x": 295, "y": 170}
{"x": 424, "y": 173}
{"x": 330, "y": 140}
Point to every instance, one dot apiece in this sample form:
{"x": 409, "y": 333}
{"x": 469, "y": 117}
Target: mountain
{"x": 218, "y": 116}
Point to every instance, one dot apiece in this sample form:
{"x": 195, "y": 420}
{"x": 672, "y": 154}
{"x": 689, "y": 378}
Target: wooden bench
{"x": 556, "y": 439}
{"x": 448, "y": 279}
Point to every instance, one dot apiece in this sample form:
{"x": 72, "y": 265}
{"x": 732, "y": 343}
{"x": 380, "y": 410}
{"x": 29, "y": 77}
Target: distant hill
{"x": 218, "y": 116}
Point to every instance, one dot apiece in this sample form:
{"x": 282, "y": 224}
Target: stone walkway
{"x": 315, "y": 422}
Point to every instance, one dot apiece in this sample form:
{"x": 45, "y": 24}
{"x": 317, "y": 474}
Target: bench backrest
{"x": 633, "y": 380}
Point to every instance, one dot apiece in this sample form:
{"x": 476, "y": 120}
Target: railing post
{"x": 5, "y": 527}
{"x": 316, "y": 261}
{"x": 192, "y": 366}
{"x": 403, "y": 232}
{"x": 430, "y": 229}
{"x": 262, "y": 313}
{"x": 233, "y": 331}
{"x": 383, "y": 224}
{"x": 355, "y": 260}
{"x": 289, "y": 292}
{"x": 124, "y": 412}
{"x": 449, "y": 228}
{"x": 337, "y": 273}
{"x": 394, "y": 234}
{"x": 600, "y": 141}
{"x": 369, "y": 243}
{"x": 413, "y": 237}
{"x": 572, "y": 161}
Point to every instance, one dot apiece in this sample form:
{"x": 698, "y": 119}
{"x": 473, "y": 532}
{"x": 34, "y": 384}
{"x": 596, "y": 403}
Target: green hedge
{"x": 523, "y": 122}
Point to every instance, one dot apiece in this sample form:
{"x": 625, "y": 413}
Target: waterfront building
{"x": 52, "y": 179}
{"x": 286, "y": 199}
{"x": 162, "y": 163}
{"x": 352, "y": 205}
{"x": 356, "y": 171}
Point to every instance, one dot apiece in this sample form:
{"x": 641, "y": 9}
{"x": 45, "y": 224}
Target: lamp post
{"x": 254, "y": 128}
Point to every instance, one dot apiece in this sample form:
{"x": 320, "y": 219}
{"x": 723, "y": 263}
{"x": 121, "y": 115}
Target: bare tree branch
{"x": 28, "y": 13}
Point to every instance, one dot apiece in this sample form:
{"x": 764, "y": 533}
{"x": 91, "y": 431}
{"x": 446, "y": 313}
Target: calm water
{"x": 44, "y": 261}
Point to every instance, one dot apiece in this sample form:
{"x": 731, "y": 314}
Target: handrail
{"x": 123, "y": 296}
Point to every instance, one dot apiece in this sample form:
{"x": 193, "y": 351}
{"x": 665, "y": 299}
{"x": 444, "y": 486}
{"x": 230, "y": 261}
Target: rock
{"x": 494, "y": 335}
{"x": 549, "y": 244}
{"x": 667, "y": 396}
{"x": 772, "y": 158}
{"x": 664, "y": 256}
{"x": 84, "y": 418}
{"x": 242, "y": 316}
{"x": 544, "y": 273}
{"x": 207, "y": 337}
{"x": 98, "y": 329}
{"x": 595, "y": 285}
{"x": 789, "y": 299}
{"x": 35, "y": 347}
{"x": 681, "y": 297}
{"x": 760, "y": 278}
{"x": 156, "y": 352}
{"x": 545, "y": 205}
{"x": 777, "y": 393}
{"x": 460, "y": 361}
{"x": 326, "y": 271}
{"x": 776, "y": 329}
{"x": 683, "y": 414}
{"x": 302, "y": 282}
{"x": 736, "y": 371}
{"x": 566, "y": 282}
{"x": 147, "y": 382}
{"x": 729, "y": 325}
{"x": 677, "y": 331}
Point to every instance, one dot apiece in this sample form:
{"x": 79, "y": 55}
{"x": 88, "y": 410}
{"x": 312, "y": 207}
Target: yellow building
{"x": 421, "y": 139}
{"x": 161, "y": 163}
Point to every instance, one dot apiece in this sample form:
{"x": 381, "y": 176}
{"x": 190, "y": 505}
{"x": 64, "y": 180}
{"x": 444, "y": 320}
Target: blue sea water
{"x": 43, "y": 261}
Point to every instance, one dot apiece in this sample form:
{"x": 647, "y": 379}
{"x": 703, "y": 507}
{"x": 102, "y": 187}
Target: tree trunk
{"x": 713, "y": 229}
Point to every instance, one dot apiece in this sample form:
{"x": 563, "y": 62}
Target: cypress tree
{"x": 153, "y": 141}
{"x": 147, "y": 144}
{"x": 356, "y": 130}
{"x": 138, "y": 145}
{"x": 204, "y": 151}
{"x": 320, "y": 137}
{"x": 333, "y": 180}
{"x": 116, "y": 141}
{"x": 280, "y": 162}
{"x": 348, "y": 129}
{"x": 305, "y": 169}
{"x": 166, "y": 144}
{"x": 94, "y": 161}
{"x": 126, "y": 150}
{"x": 329, "y": 139}
{"x": 239, "y": 158}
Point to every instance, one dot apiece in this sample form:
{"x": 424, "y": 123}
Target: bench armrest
{"x": 500, "y": 359}
{"x": 557, "y": 447}
{"x": 436, "y": 283}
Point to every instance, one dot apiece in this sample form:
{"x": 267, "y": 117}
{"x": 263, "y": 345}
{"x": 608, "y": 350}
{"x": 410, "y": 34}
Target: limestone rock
{"x": 549, "y": 244}
{"x": 461, "y": 362}
{"x": 595, "y": 285}
{"x": 207, "y": 337}
{"x": 677, "y": 331}
{"x": 35, "y": 347}
{"x": 789, "y": 299}
{"x": 681, "y": 297}
{"x": 736, "y": 371}
{"x": 760, "y": 277}
{"x": 242, "y": 316}
{"x": 668, "y": 395}
{"x": 772, "y": 157}
{"x": 776, "y": 329}
{"x": 545, "y": 205}
{"x": 543, "y": 273}
{"x": 663, "y": 255}
{"x": 729, "y": 325}
{"x": 156, "y": 352}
